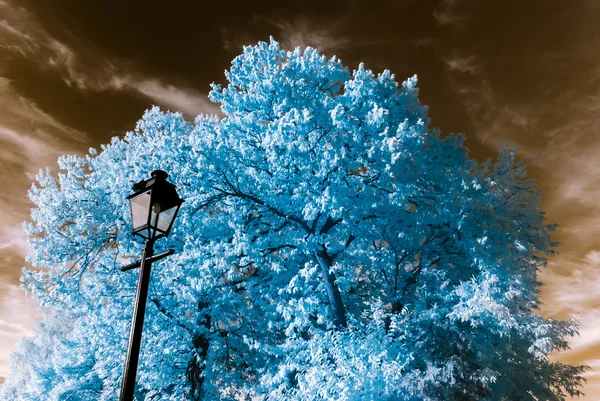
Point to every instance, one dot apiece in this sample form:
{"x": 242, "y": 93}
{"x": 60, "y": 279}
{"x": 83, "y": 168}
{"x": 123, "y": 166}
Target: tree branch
{"x": 329, "y": 224}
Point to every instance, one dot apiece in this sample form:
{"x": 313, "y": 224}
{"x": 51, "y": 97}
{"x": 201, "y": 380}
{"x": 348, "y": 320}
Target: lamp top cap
{"x": 159, "y": 174}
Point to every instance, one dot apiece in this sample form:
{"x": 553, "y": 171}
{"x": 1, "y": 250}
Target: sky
{"x": 75, "y": 73}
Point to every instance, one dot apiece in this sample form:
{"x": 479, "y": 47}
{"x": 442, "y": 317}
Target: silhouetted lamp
{"x": 154, "y": 206}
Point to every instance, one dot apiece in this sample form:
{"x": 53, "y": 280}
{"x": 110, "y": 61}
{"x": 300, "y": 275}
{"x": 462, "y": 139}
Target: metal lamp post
{"x": 154, "y": 206}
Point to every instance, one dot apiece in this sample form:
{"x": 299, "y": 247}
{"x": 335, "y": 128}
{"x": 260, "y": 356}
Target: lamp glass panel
{"x": 166, "y": 218}
{"x": 140, "y": 206}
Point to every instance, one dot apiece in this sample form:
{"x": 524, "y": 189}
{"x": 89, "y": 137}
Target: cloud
{"x": 593, "y": 257}
{"x": 21, "y": 32}
{"x": 592, "y": 387}
{"x": 19, "y": 314}
{"x": 566, "y": 272}
{"x": 13, "y": 237}
{"x": 465, "y": 65}
{"x": 187, "y": 101}
{"x": 570, "y": 290}
{"x": 30, "y": 139}
{"x": 303, "y": 32}
{"x": 580, "y": 176}
{"x": 14, "y": 28}
{"x": 76, "y": 72}
{"x": 448, "y": 14}
{"x": 85, "y": 67}
{"x": 468, "y": 79}
{"x": 17, "y": 109}
{"x": 297, "y": 32}
{"x": 426, "y": 41}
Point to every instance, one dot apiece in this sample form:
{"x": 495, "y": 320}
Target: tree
{"x": 331, "y": 247}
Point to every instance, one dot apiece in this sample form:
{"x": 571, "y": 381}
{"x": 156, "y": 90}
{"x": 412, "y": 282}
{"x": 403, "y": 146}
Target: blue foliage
{"x": 331, "y": 247}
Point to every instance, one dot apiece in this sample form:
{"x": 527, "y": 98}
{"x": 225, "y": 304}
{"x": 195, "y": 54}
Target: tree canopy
{"x": 331, "y": 247}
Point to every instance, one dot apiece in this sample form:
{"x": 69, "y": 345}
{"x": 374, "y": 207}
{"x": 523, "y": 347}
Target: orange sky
{"x": 73, "y": 74}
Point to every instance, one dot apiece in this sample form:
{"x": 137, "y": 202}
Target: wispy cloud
{"x": 21, "y": 32}
{"x": 12, "y": 237}
{"x": 303, "y": 32}
{"x": 19, "y": 314}
{"x": 571, "y": 290}
{"x": 463, "y": 64}
{"x": 30, "y": 139}
{"x": 85, "y": 67}
{"x": 14, "y": 28}
{"x": 188, "y": 101}
{"x": 448, "y": 13}
{"x": 467, "y": 77}
{"x": 32, "y": 136}
{"x": 297, "y": 32}
{"x": 568, "y": 272}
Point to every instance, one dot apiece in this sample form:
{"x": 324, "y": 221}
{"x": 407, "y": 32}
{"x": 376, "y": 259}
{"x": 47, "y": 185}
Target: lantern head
{"x": 154, "y": 206}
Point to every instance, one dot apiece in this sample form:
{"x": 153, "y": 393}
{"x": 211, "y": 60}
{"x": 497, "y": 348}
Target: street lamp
{"x": 154, "y": 206}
